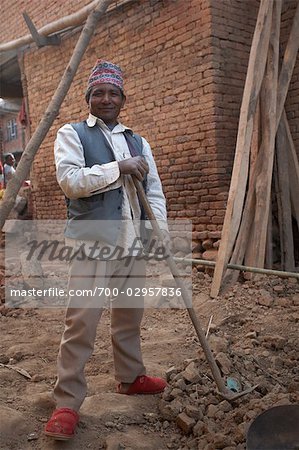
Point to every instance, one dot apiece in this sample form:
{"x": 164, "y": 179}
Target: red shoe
{"x": 62, "y": 424}
{"x": 145, "y": 385}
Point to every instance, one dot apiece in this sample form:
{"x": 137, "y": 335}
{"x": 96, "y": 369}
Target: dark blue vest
{"x": 99, "y": 207}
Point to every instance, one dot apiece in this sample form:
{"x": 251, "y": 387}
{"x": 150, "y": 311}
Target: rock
{"x": 207, "y": 244}
{"x": 218, "y": 344}
{"x": 170, "y": 410}
{"x": 282, "y": 301}
{"x": 274, "y": 342}
{"x": 251, "y": 335}
{"x": 180, "y": 384}
{"x": 176, "y": 393}
{"x": 224, "y": 363}
{"x": 169, "y": 372}
{"x": 199, "y": 428}
{"x": 225, "y": 406}
{"x": 278, "y": 289}
{"x": 211, "y": 411}
{"x": 194, "y": 412}
{"x": 191, "y": 373}
{"x": 295, "y": 299}
{"x": 4, "y": 359}
{"x": 185, "y": 422}
{"x": 221, "y": 440}
{"x": 210, "y": 255}
{"x": 265, "y": 298}
{"x": 181, "y": 244}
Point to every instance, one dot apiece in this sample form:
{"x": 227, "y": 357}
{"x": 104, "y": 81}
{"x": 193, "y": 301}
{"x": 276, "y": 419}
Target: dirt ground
{"x": 253, "y": 334}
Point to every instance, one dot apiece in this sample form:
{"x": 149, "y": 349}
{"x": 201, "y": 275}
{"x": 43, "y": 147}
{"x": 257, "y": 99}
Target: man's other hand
{"x": 136, "y": 166}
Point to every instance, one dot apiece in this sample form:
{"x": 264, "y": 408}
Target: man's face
{"x": 105, "y": 102}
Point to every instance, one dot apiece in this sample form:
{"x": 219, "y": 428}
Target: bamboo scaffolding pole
{"x": 240, "y": 267}
{"x": 69, "y": 21}
{"x": 51, "y": 112}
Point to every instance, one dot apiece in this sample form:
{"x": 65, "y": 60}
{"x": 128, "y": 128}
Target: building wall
{"x": 15, "y": 144}
{"x": 165, "y": 51}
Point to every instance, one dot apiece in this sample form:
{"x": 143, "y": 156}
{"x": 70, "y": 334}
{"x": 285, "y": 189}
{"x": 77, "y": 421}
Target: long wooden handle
{"x": 185, "y": 294}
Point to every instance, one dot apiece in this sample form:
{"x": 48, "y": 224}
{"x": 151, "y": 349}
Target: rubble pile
{"x": 251, "y": 347}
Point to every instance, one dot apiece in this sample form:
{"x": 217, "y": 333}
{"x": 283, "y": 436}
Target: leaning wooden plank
{"x": 287, "y": 258}
{"x": 255, "y": 72}
{"x": 269, "y": 243}
{"x": 265, "y": 169}
{"x": 288, "y": 65}
{"x": 254, "y": 148}
{"x": 256, "y": 212}
{"x": 293, "y": 168}
{"x": 279, "y": 210}
{"x": 51, "y": 112}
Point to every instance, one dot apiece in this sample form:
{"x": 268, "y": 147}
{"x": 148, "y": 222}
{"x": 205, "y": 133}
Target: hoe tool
{"x": 223, "y": 390}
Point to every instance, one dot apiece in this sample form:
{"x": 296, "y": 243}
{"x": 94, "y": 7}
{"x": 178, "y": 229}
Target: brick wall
{"x": 165, "y": 51}
{"x": 185, "y": 64}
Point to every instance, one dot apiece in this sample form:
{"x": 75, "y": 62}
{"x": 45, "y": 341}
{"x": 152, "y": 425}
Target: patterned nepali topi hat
{"x": 105, "y": 72}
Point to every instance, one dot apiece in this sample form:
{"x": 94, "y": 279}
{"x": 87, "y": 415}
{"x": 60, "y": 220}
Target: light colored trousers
{"x": 82, "y": 317}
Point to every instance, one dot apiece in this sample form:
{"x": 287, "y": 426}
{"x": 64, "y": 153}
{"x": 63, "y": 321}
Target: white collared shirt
{"x": 78, "y": 181}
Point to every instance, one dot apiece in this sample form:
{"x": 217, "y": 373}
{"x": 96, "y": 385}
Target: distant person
{"x": 94, "y": 162}
{"x": 8, "y": 168}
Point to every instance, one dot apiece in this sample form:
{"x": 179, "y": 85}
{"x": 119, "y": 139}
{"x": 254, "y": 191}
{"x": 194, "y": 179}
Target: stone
{"x": 169, "y": 372}
{"x": 278, "y": 289}
{"x": 225, "y": 406}
{"x": 275, "y": 342}
{"x": 191, "y": 373}
{"x": 282, "y": 302}
{"x": 181, "y": 244}
{"x": 218, "y": 344}
{"x": 265, "y": 298}
{"x": 224, "y": 363}
{"x": 210, "y": 255}
{"x": 220, "y": 441}
{"x": 194, "y": 412}
{"x": 170, "y": 410}
{"x": 251, "y": 335}
{"x": 295, "y": 299}
{"x": 4, "y": 359}
{"x": 211, "y": 411}
{"x": 185, "y": 423}
{"x": 199, "y": 428}
{"x": 180, "y": 384}
{"x": 207, "y": 244}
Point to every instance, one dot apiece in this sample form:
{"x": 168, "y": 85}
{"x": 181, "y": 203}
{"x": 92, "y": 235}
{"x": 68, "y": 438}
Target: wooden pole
{"x": 266, "y": 152}
{"x": 255, "y": 73}
{"x": 51, "y": 112}
{"x": 293, "y": 168}
{"x": 288, "y": 65}
{"x": 287, "y": 252}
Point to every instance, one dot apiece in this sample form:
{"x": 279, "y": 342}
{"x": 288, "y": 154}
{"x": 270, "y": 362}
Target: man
{"x": 95, "y": 162}
{"x": 8, "y": 168}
